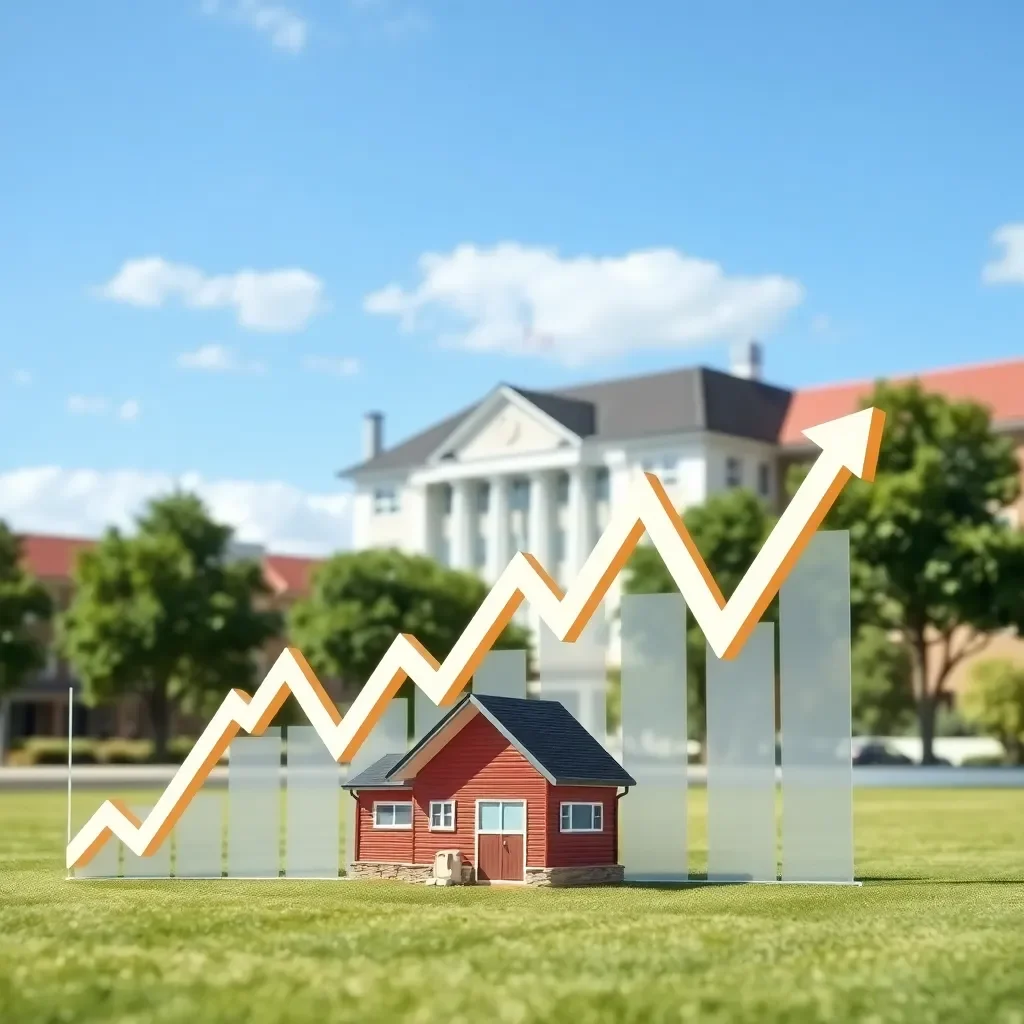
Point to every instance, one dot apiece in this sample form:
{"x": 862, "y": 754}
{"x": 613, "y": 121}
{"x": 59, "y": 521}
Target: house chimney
{"x": 748, "y": 360}
{"x": 373, "y": 435}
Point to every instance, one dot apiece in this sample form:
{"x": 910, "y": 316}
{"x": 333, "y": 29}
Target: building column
{"x": 498, "y": 553}
{"x": 417, "y": 507}
{"x": 540, "y": 519}
{"x": 461, "y": 518}
{"x": 580, "y": 531}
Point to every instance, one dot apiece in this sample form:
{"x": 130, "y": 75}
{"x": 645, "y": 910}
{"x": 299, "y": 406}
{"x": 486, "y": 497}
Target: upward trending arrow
{"x": 848, "y": 446}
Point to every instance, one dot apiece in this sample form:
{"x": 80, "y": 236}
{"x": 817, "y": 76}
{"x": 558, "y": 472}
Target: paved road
{"x": 157, "y": 776}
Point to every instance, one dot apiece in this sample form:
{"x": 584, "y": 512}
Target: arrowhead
{"x": 854, "y": 440}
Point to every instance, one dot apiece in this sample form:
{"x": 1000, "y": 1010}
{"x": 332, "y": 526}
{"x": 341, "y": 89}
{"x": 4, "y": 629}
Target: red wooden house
{"x": 518, "y": 787}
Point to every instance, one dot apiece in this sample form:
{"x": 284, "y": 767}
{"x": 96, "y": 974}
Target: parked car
{"x": 879, "y": 753}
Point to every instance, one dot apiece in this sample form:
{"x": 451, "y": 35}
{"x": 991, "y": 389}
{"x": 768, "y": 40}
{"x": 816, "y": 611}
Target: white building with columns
{"x": 538, "y": 471}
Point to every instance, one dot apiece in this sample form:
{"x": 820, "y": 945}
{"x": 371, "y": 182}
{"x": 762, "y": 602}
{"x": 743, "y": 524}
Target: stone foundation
{"x": 599, "y": 874}
{"x": 402, "y": 872}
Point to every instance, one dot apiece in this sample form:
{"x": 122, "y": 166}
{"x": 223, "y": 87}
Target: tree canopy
{"x": 931, "y": 559}
{"x": 24, "y": 607}
{"x": 994, "y": 701}
{"x": 360, "y": 601}
{"x": 166, "y": 613}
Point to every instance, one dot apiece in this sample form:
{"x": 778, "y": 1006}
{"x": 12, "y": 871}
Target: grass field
{"x": 935, "y": 934}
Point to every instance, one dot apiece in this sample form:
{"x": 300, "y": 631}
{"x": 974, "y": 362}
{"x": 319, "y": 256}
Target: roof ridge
{"x": 942, "y": 371}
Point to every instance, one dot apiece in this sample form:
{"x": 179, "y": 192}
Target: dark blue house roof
{"x": 543, "y": 731}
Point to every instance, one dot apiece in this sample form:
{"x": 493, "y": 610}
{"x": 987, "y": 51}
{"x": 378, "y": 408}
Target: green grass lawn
{"x": 935, "y": 934}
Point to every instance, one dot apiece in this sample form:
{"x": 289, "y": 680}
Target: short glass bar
{"x": 502, "y": 674}
{"x": 157, "y": 864}
{"x": 199, "y": 838}
{"x": 254, "y": 806}
{"x": 313, "y": 818}
{"x": 576, "y": 674}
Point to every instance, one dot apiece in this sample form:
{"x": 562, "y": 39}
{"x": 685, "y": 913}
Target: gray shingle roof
{"x": 376, "y": 776}
{"x": 543, "y": 731}
{"x": 676, "y": 402}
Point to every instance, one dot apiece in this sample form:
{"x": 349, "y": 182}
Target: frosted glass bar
{"x": 313, "y": 818}
{"x": 157, "y": 865}
{"x": 654, "y": 740}
{"x": 199, "y": 838}
{"x": 254, "y": 806}
{"x": 576, "y": 674}
{"x": 817, "y": 761}
{"x": 426, "y": 714}
{"x": 106, "y": 863}
{"x": 741, "y": 761}
{"x": 388, "y": 736}
{"x": 502, "y": 674}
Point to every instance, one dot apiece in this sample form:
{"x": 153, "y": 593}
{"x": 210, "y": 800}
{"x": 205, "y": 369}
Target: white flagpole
{"x": 71, "y": 725}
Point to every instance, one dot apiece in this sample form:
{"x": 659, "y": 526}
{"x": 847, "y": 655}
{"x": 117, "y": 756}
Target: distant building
{"x": 539, "y": 470}
{"x": 41, "y": 707}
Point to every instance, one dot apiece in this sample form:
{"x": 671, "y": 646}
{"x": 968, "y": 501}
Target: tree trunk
{"x": 926, "y": 701}
{"x": 927, "y": 706}
{"x": 160, "y": 719}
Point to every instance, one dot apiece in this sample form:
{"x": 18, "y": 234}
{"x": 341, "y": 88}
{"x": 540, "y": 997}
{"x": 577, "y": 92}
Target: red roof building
{"x": 518, "y": 787}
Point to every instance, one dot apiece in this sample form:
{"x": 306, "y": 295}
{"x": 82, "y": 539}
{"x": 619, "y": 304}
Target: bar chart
{"x": 284, "y": 814}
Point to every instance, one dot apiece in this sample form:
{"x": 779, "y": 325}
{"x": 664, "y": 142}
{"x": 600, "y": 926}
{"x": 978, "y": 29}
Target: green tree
{"x": 167, "y": 614}
{"x": 930, "y": 557}
{"x": 883, "y": 698}
{"x": 360, "y": 601}
{"x": 24, "y": 606}
{"x": 994, "y": 701}
{"x": 728, "y": 530}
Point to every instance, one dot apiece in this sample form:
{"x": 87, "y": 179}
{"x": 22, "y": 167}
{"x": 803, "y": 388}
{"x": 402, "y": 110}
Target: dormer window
{"x": 385, "y": 500}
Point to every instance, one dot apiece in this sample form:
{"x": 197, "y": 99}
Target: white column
{"x": 416, "y": 509}
{"x": 579, "y": 528}
{"x": 498, "y": 553}
{"x": 462, "y": 499}
{"x": 540, "y": 519}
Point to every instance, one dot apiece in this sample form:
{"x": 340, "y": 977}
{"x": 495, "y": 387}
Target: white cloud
{"x": 285, "y": 29}
{"x": 345, "y": 366}
{"x": 22, "y": 378}
{"x": 129, "y": 410}
{"x": 390, "y": 18}
{"x": 272, "y": 300}
{"x": 87, "y": 405}
{"x": 217, "y": 358}
{"x": 1009, "y": 268}
{"x": 519, "y": 300}
{"x": 83, "y": 503}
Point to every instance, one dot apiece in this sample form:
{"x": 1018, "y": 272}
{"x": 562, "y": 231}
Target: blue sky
{"x": 606, "y": 189}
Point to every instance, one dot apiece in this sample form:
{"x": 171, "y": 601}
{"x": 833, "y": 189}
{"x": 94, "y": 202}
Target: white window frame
{"x": 733, "y": 480}
{"x": 580, "y": 803}
{"x": 430, "y": 816}
{"x": 385, "y": 500}
{"x": 392, "y": 803}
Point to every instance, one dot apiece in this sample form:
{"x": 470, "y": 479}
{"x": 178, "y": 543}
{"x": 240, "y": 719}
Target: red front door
{"x": 501, "y": 840}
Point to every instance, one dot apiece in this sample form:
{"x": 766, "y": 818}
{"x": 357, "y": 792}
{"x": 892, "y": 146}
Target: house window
{"x": 442, "y": 815}
{"x": 582, "y": 817}
{"x": 446, "y": 500}
{"x": 501, "y": 816}
{"x": 392, "y": 815}
{"x": 563, "y": 489}
{"x": 733, "y": 472}
{"x": 602, "y": 486}
{"x": 668, "y": 470}
{"x": 444, "y": 552}
{"x": 483, "y": 498}
{"x": 481, "y": 550}
{"x": 764, "y": 479}
{"x": 519, "y": 497}
{"x": 385, "y": 500}
{"x": 559, "y": 545}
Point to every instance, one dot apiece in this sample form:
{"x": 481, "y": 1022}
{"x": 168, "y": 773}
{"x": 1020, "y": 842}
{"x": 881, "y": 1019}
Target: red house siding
{"x": 582, "y": 849}
{"x": 392, "y": 845}
{"x": 478, "y": 764}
